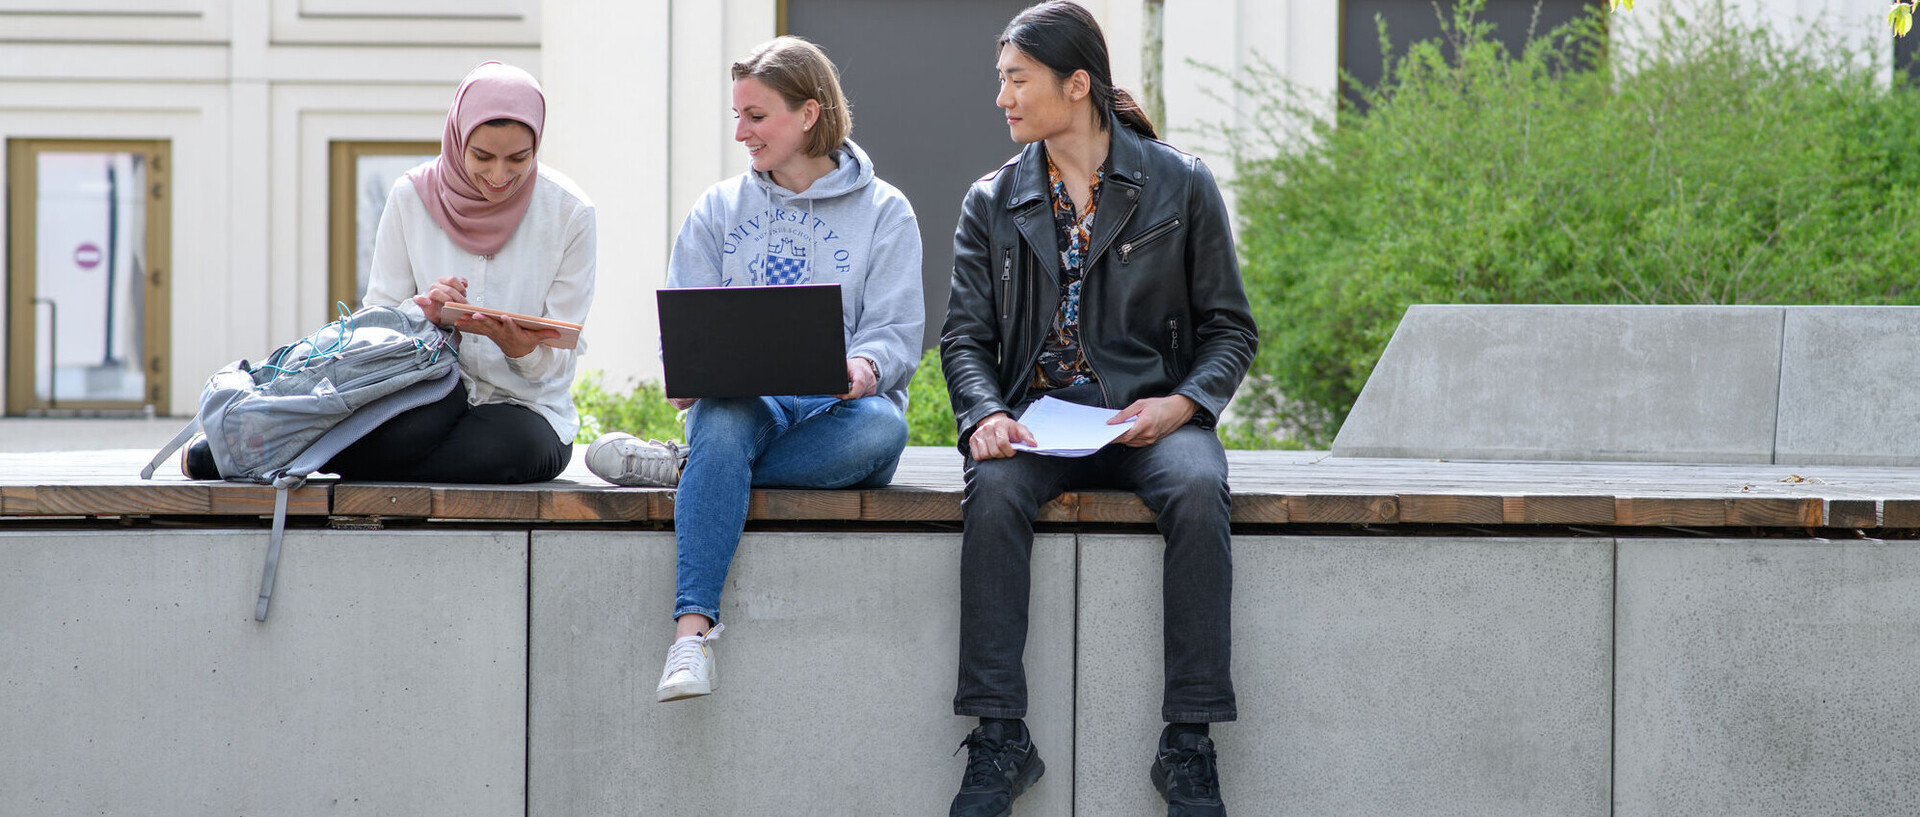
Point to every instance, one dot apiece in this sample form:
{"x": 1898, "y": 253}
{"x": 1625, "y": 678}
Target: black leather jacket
{"x": 1162, "y": 310}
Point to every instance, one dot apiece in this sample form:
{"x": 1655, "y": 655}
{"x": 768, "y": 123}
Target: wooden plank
{"x": 359, "y": 499}
{"x": 1268, "y": 488}
{"x": 1346, "y": 509}
{"x": 1451, "y": 508}
{"x": 1637, "y": 511}
{"x": 313, "y": 499}
{"x": 1118, "y": 507}
{"x": 106, "y": 500}
{"x": 1775, "y": 512}
{"x": 660, "y": 505}
{"x": 1541, "y": 509}
{"x": 1900, "y": 513}
{"x": 789, "y": 503}
{"x": 1255, "y": 509}
{"x": 1853, "y": 513}
{"x": 486, "y": 502}
{"x": 907, "y": 504}
{"x": 611, "y": 504}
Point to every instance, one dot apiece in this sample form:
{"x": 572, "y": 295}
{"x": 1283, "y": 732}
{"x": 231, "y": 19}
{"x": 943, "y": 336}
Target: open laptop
{"x": 753, "y": 341}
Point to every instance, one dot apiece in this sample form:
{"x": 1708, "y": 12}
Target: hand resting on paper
{"x": 1154, "y": 418}
{"x": 993, "y": 438}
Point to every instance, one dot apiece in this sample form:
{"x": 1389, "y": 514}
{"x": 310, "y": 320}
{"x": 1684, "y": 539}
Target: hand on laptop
{"x": 860, "y": 379}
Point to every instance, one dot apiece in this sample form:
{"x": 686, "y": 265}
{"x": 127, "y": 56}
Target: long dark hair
{"x": 1065, "y": 38}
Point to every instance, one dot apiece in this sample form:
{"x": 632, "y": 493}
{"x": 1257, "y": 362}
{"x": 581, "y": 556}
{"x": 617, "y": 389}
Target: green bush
{"x": 1716, "y": 166}
{"x": 643, "y": 410}
{"x": 929, "y": 410}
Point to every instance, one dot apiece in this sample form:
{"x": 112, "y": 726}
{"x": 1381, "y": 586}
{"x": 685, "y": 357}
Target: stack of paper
{"x": 1066, "y": 429}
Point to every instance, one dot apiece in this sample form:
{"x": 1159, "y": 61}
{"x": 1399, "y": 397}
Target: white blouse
{"x": 545, "y": 269}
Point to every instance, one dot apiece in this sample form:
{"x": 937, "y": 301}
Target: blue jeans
{"x": 742, "y": 443}
{"x": 1183, "y": 479}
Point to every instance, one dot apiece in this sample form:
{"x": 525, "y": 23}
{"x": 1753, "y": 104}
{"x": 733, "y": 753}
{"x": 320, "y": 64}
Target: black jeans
{"x": 1183, "y": 478}
{"x": 450, "y": 441}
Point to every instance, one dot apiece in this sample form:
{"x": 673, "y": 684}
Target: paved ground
{"x": 32, "y": 434}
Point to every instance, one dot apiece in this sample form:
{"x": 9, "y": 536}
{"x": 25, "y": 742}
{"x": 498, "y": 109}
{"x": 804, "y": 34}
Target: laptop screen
{"x": 753, "y": 341}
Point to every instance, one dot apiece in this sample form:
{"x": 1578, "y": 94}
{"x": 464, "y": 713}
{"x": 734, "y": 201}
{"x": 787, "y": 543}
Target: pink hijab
{"x": 494, "y": 90}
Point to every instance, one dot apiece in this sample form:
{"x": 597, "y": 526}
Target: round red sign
{"x": 86, "y": 255}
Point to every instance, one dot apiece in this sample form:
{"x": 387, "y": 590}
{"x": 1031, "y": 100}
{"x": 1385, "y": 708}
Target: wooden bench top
{"x": 1269, "y": 488}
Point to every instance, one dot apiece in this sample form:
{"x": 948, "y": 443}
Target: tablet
{"x": 569, "y": 332}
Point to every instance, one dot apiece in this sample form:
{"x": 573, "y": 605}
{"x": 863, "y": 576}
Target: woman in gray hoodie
{"x": 810, "y": 211}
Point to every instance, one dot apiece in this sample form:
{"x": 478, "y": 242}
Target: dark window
{"x": 1905, "y": 50}
{"x": 921, "y": 82}
{"x": 1411, "y": 21}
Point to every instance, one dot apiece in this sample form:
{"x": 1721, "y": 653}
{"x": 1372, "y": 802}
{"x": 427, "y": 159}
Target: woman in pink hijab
{"x": 484, "y": 223}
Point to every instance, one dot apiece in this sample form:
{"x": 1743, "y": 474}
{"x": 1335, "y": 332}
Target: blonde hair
{"x": 798, "y": 70}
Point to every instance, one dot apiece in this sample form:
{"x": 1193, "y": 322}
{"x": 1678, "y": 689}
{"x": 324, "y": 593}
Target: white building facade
{"x": 247, "y": 136}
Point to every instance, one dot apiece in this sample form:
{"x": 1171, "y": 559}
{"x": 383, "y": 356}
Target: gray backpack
{"x": 280, "y": 420}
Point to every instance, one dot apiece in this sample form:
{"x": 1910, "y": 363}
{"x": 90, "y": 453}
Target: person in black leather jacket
{"x": 1097, "y": 267}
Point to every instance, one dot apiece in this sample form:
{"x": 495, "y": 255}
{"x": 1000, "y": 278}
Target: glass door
{"x": 361, "y": 175}
{"x": 87, "y": 301}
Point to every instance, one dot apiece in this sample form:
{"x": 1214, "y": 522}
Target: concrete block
{"x": 1613, "y": 383}
{"x": 1847, "y": 390}
{"x": 1375, "y": 676}
{"x": 390, "y": 678}
{"x": 1767, "y": 677}
{"x": 837, "y": 674}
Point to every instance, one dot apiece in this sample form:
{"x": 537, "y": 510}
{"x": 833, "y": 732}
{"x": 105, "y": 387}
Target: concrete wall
{"x": 511, "y": 672}
{"x": 1711, "y": 384}
{"x": 836, "y": 671}
{"x": 1762, "y": 678}
{"x": 390, "y": 678}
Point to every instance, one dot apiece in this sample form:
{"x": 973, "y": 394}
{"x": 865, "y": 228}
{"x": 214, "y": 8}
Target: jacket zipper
{"x": 1148, "y": 237}
{"x": 1006, "y": 282}
{"x": 1173, "y": 331}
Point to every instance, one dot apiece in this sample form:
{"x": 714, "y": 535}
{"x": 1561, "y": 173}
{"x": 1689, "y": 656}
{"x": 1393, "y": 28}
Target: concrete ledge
{"x": 510, "y": 672}
{"x": 1795, "y": 385}
{"x": 1609, "y": 383}
{"x": 1849, "y": 394}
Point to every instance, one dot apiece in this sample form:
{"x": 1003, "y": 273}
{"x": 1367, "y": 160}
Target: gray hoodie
{"x": 849, "y": 228}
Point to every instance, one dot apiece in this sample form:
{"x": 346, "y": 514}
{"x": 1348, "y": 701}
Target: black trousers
{"x": 1183, "y": 478}
{"x": 449, "y": 441}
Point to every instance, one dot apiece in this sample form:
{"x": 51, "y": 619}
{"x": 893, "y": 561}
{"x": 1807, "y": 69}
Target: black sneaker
{"x": 1186, "y": 773}
{"x": 1001, "y": 765}
{"x": 196, "y": 459}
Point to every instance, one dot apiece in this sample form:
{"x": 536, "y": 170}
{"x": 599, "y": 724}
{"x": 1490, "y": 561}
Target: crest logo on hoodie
{"x": 786, "y": 262}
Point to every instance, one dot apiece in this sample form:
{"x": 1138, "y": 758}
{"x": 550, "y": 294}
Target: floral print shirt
{"x": 1061, "y": 362}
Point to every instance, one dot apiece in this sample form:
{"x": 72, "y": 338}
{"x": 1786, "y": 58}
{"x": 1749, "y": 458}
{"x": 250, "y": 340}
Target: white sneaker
{"x": 690, "y": 671}
{"x": 623, "y": 459}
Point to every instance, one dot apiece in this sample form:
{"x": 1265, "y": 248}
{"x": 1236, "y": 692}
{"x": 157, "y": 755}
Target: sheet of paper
{"x": 1069, "y": 429}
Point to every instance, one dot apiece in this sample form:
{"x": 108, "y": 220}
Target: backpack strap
{"x": 343, "y": 434}
{"x": 168, "y": 449}
{"x": 281, "y": 487}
